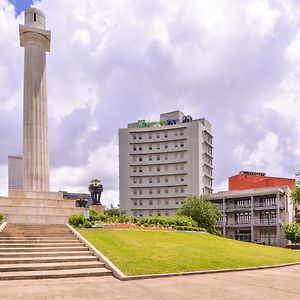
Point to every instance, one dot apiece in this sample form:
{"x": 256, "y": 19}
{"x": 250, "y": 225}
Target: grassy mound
{"x": 144, "y": 252}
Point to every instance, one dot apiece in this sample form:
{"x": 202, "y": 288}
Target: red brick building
{"x": 252, "y": 180}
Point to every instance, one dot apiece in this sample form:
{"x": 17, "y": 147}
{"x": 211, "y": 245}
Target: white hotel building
{"x": 162, "y": 162}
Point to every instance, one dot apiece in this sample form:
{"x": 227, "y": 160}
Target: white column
{"x": 36, "y": 41}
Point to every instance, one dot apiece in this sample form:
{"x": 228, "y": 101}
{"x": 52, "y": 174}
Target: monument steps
{"x": 45, "y": 251}
{"x": 55, "y": 274}
{"x": 50, "y": 266}
{"x": 47, "y": 259}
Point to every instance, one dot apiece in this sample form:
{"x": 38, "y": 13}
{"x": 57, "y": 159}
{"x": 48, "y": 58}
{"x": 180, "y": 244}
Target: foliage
{"x": 94, "y": 215}
{"x": 95, "y": 182}
{"x": 76, "y": 220}
{"x": 157, "y": 252}
{"x": 292, "y": 232}
{"x": 87, "y": 224}
{"x": 295, "y": 194}
{"x": 1, "y": 217}
{"x": 201, "y": 210}
{"x": 115, "y": 211}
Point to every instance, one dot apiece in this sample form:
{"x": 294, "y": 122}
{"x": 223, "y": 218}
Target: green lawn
{"x": 145, "y": 252}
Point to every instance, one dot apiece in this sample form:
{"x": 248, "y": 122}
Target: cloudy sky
{"x": 112, "y": 62}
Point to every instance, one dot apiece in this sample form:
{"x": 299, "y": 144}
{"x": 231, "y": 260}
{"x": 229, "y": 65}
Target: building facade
{"x": 15, "y": 172}
{"x": 162, "y": 162}
{"x": 255, "y": 215}
{"x": 250, "y": 180}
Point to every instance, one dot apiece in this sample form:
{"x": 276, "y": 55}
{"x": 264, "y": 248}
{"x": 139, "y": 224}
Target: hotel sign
{"x": 143, "y": 123}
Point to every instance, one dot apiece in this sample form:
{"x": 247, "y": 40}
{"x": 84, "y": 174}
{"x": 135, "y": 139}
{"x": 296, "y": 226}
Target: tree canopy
{"x": 204, "y": 212}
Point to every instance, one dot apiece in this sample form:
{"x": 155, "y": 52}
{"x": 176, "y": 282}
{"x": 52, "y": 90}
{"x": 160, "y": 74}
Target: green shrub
{"x": 76, "y": 220}
{"x": 94, "y": 215}
{"x": 1, "y": 217}
{"x": 189, "y": 228}
{"x": 292, "y": 232}
{"x": 87, "y": 224}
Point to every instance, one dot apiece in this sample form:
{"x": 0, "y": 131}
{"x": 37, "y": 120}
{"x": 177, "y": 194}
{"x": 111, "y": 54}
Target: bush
{"x": 189, "y": 228}
{"x": 292, "y": 232}
{"x": 1, "y": 218}
{"x": 87, "y": 224}
{"x": 76, "y": 220}
{"x": 115, "y": 211}
{"x": 94, "y": 215}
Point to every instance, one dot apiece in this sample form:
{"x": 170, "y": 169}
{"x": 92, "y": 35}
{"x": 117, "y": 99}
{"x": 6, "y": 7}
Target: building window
{"x": 140, "y": 180}
{"x": 150, "y": 202}
{"x": 166, "y": 213}
{"x": 166, "y": 157}
{"x": 181, "y": 167}
{"x": 140, "y": 158}
{"x": 134, "y": 148}
{"x": 141, "y": 214}
{"x": 166, "y": 146}
{"x": 158, "y": 135}
{"x": 158, "y": 146}
{"x": 176, "y": 190}
{"x": 176, "y": 178}
{"x": 140, "y": 136}
{"x": 140, "y": 192}
{"x": 140, "y": 170}
{"x": 150, "y": 136}
{"x": 176, "y": 133}
{"x": 158, "y": 202}
{"x": 176, "y": 201}
{"x": 158, "y": 179}
{"x": 150, "y": 214}
{"x": 166, "y": 167}
{"x": 135, "y": 203}
{"x": 166, "y": 202}
{"x": 134, "y": 180}
{"x": 182, "y": 190}
{"x": 135, "y": 213}
{"x": 166, "y": 134}
{"x": 158, "y": 157}
{"x": 141, "y": 202}
{"x": 150, "y": 147}
{"x": 134, "y": 136}
{"x": 158, "y": 213}
{"x": 181, "y": 178}
{"x": 150, "y": 169}
{"x": 150, "y": 158}
{"x": 175, "y": 155}
{"x": 134, "y": 158}
{"x": 158, "y": 191}
{"x": 176, "y": 145}
{"x": 140, "y": 148}
{"x": 166, "y": 179}
{"x": 181, "y": 132}
{"x": 166, "y": 191}
{"x": 158, "y": 169}
{"x": 150, "y": 179}
{"x": 150, "y": 192}
{"x": 182, "y": 145}
{"x": 134, "y": 170}
{"x": 134, "y": 192}
{"x": 181, "y": 155}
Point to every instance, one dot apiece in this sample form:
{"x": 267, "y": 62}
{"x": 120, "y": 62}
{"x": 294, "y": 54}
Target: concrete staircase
{"x": 45, "y": 251}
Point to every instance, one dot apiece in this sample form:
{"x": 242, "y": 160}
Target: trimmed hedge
{"x": 176, "y": 222}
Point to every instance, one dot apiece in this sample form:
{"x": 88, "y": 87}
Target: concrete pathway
{"x": 282, "y": 283}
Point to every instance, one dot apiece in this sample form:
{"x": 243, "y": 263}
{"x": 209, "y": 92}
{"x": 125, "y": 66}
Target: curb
{"x": 2, "y": 226}
{"x": 108, "y": 264}
{"x": 119, "y": 275}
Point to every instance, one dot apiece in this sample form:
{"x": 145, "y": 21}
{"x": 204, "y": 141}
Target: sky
{"x": 234, "y": 62}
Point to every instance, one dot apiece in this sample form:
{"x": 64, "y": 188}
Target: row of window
{"x": 157, "y": 179}
{"x": 157, "y": 202}
{"x": 150, "y": 169}
{"x": 158, "y": 134}
{"x": 149, "y": 191}
{"x": 157, "y": 157}
{"x": 150, "y": 213}
{"x": 157, "y": 146}
{"x": 207, "y": 137}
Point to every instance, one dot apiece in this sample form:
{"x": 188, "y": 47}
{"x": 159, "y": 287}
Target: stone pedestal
{"x": 98, "y": 207}
{"x": 27, "y": 207}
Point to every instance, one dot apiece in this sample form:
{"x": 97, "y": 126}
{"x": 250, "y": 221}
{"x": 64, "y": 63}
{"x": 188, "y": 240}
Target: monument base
{"x": 98, "y": 207}
{"x": 26, "y": 207}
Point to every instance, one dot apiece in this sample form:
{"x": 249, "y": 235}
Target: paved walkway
{"x": 282, "y": 283}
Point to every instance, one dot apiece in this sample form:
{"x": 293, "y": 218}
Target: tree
{"x": 295, "y": 195}
{"x": 201, "y": 210}
{"x": 292, "y": 232}
{"x": 115, "y": 211}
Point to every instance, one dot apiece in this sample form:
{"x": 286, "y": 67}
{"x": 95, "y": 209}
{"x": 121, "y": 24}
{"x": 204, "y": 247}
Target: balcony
{"x": 241, "y": 223}
{"x": 269, "y": 205}
{"x": 267, "y": 222}
{"x": 238, "y": 207}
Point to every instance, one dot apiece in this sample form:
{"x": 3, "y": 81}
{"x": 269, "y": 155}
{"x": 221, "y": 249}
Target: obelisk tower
{"x": 36, "y": 41}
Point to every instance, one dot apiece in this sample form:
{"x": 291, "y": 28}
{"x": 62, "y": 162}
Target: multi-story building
{"x": 15, "y": 172}
{"x": 255, "y": 215}
{"x": 162, "y": 162}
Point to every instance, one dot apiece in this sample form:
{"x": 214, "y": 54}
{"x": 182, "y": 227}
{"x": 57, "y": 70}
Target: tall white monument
{"x": 36, "y": 41}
